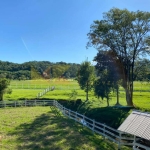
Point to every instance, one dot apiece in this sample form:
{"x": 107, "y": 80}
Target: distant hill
{"x": 37, "y": 70}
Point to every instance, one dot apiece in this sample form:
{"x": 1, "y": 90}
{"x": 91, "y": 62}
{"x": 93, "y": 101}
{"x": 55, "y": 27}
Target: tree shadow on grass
{"x": 49, "y": 132}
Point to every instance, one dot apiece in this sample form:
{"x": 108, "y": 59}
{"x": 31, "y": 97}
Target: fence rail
{"x": 42, "y": 86}
{"x": 112, "y": 134}
{"x": 40, "y": 94}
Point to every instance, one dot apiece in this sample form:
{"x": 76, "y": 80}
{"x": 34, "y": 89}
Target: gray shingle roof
{"x": 137, "y": 123}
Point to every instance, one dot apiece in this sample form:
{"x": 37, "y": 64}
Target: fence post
{"x": 119, "y": 143}
{"x": 104, "y": 130}
{"x": 35, "y": 102}
{"x": 134, "y": 142}
{"x": 64, "y": 110}
{"x": 76, "y": 116}
{"x": 25, "y": 103}
{"x": 83, "y": 120}
{"x": 69, "y": 113}
{"x": 15, "y": 103}
{"x": 53, "y": 102}
{"x": 93, "y": 125}
{"x": 4, "y": 104}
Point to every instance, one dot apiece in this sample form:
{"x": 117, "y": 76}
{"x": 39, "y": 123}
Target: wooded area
{"x": 37, "y": 69}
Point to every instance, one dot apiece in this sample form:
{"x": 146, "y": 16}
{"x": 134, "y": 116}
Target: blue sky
{"x": 53, "y": 30}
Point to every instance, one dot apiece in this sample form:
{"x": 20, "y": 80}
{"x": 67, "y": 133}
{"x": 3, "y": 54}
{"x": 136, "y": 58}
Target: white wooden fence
{"x": 114, "y": 135}
{"x": 137, "y": 144}
{"x": 40, "y": 94}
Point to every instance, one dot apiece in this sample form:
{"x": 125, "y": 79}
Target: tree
{"x": 86, "y": 76}
{"x": 127, "y": 35}
{"x": 107, "y": 63}
{"x": 3, "y": 86}
{"x": 102, "y": 86}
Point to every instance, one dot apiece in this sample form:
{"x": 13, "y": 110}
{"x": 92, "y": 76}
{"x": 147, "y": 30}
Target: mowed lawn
{"x": 33, "y": 128}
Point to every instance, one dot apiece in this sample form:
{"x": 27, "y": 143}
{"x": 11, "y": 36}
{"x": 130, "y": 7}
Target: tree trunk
{"x": 117, "y": 90}
{"x": 1, "y": 96}
{"x": 87, "y": 90}
{"x": 87, "y": 98}
{"x": 128, "y": 86}
{"x": 129, "y": 95}
{"x": 107, "y": 100}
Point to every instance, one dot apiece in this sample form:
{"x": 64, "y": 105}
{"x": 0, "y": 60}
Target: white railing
{"x": 137, "y": 144}
{"x": 26, "y": 103}
{"x": 45, "y": 91}
{"x": 114, "y": 135}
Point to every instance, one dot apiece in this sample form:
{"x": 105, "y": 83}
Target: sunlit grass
{"x": 38, "y": 128}
{"x": 30, "y": 88}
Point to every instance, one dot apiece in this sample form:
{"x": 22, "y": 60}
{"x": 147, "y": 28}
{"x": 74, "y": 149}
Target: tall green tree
{"x": 103, "y": 87}
{"x": 126, "y": 33}
{"x": 106, "y": 65}
{"x": 3, "y": 86}
{"x": 86, "y": 77}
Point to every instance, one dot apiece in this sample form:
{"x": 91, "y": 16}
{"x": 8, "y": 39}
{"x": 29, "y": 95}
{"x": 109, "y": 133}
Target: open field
{"x": 38, "y": 128}
{"x": 23, "y": 128}
{"x": 28, "y": 90}
{"x": 42, "y": 84}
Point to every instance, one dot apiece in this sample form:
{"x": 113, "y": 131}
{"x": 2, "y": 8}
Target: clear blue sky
{"x": 53, "y": 30}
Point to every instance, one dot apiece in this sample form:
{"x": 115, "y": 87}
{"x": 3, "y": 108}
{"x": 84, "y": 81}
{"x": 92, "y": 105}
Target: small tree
{"x": 103, "y": 86}
{"x": 3, "y": 86}
{"x": 86, "y": 76}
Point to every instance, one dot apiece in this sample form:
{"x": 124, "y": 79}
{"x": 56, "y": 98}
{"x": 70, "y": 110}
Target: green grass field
{"x": 29, "y": 89}
{"x": 38, "y": 128}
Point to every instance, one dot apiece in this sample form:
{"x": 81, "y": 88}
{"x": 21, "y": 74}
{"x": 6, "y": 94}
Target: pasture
{"x": 63, "y": 90}
{"x": 39, "y": 128}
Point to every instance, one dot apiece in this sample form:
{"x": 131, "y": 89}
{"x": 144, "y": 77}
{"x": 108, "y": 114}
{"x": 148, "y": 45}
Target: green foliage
{"x": 73, "y": 95}
{"x": 29, "y": 89}
{"x": 142, "y": 70}
{"x": 37, "y": 70}
{"x": 102, "y": 87}
{"x": 126, "y": 34}
{"x": 3, "y": 86}
{"x": 86, "y": 77}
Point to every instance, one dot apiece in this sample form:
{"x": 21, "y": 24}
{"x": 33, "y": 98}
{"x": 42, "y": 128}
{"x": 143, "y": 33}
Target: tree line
{"x": 37, "y": 69}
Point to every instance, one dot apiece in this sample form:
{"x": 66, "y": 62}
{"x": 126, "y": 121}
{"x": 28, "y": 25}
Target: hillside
{"x": 37, "y": 69}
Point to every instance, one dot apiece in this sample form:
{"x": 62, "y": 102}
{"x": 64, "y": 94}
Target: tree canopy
{"x": 108, "y": 73}
{"x": 37, "y": 70}
{"x": 86, "y": 76}
{"x": 3, "y": 86}
{"x": 126, "y": 34}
